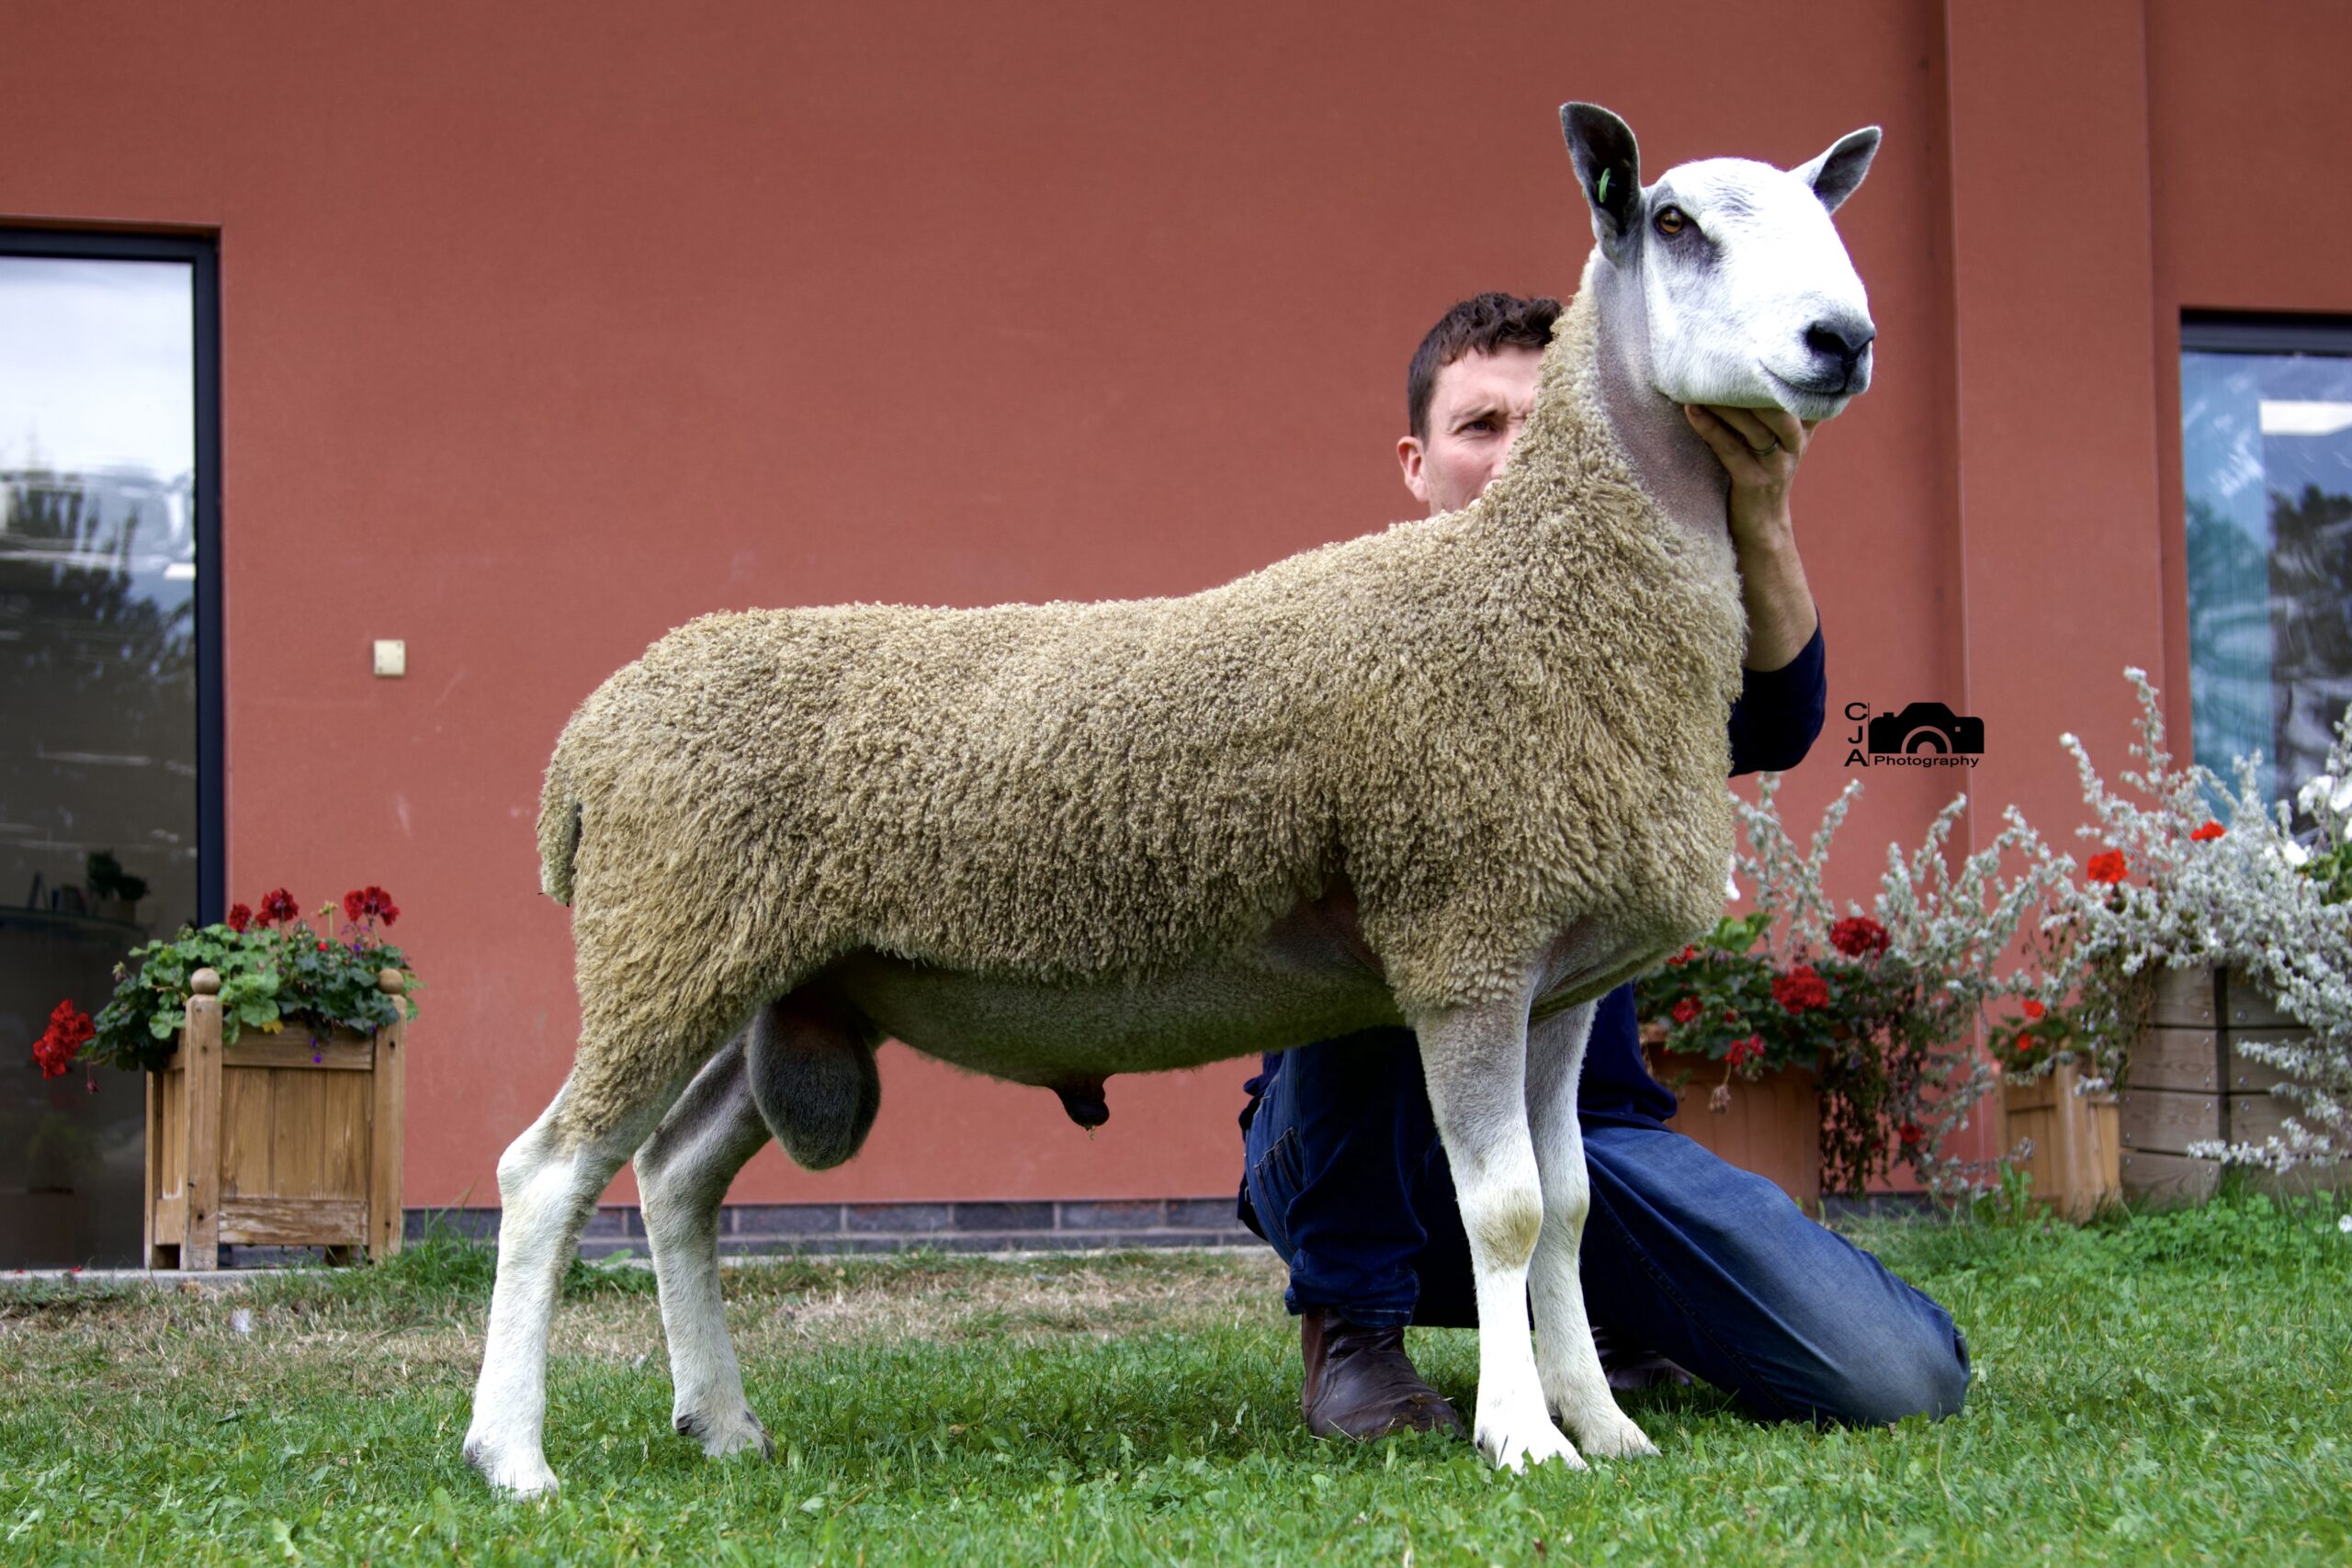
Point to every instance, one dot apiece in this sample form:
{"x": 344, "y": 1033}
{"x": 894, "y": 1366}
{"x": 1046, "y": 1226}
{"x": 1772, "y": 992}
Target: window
{"x": 109, "y": 768}
{"x": 2266, "y": 414}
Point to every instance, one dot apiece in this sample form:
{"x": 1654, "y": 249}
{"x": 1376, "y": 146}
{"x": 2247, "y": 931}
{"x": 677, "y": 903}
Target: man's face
{"x": 1477, "y": 410}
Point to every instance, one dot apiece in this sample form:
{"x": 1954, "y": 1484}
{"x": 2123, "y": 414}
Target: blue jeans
{"x": 1708, "y": 1264}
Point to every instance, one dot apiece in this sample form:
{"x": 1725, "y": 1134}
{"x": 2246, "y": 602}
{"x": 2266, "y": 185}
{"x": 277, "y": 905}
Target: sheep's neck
{"x": 1668, "y": 456}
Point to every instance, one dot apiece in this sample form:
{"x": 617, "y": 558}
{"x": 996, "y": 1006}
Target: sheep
{"x": 1466, "y": 773}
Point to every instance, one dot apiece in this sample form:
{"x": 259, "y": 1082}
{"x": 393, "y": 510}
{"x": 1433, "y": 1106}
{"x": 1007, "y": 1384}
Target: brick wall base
{"x": 752, "y": 1229}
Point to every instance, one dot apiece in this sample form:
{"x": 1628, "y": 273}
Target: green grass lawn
{"x": 2169, "y": 1388}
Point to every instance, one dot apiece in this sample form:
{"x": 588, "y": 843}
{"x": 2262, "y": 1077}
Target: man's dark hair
{"x": 1477, "y": 325}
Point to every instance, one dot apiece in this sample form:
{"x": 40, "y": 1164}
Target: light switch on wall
{"x": 391, "y": 657}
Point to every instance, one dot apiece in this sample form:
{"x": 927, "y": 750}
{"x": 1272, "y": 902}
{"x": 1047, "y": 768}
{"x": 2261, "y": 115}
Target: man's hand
{"x": 1759, "y": 449}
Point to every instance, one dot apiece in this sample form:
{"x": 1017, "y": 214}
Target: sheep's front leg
{"x": 682, "y": 1174}
{"x": 1474, "y": 1061}
{"x": 1575, "y": 1386}
{"x": 549, "y": 1180}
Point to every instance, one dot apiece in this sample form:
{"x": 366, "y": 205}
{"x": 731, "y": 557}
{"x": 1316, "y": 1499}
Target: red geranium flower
{"x": 1731, "y": 1015}
{"x": 2034, "y": 1009}
{"x": 1683, "y": 958}
{"x": 2107, "y": 867}
{"x": 1801, "y": 988}
{"x": 1745, "y": 1049}
{"x": 366, "y": 903}
{"x": 278, "y": 908}
{"x": 1686, "y": 1010}
{"x": 240, "y": 917}
{"x": 1910, "y": 1132}
{"x": 69, "y": 1030}
{"x": 1857, "y": 936}
{"x": 2208, "y": 832}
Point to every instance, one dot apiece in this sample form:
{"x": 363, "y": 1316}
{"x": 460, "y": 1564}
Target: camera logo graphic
{"x": 1917, "y": 735}
{"x": 1927, "y": 727}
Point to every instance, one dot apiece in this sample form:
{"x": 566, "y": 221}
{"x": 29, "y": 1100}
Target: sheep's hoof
{"x": 1612, "y": 1435}
{"x": 720, "y": 1437}
{"x": 1514, "y": 1441}
{"x": 522, "y": 1476}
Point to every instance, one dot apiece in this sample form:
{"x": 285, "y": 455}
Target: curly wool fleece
{"x": 1490, "y": 723}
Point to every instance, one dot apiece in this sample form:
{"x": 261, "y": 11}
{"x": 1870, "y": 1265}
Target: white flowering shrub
{"x": 2077, "y": 950}
{"x": 2174, "y": 888}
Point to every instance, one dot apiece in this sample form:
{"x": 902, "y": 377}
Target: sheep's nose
{"x": 1842, "y": 338}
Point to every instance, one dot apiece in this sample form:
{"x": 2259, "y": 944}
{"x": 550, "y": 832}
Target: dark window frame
{"x": 2244, "y": 331}
{"x": 202, "y": 251}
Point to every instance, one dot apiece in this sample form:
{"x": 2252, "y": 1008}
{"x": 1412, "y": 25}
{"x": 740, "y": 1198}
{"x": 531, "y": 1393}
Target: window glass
{"x": 2267, "y": 450}
{"x": 97, "y": 686}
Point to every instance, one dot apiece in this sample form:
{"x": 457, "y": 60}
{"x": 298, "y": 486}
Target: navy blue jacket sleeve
{"x": 1780, "y": 711}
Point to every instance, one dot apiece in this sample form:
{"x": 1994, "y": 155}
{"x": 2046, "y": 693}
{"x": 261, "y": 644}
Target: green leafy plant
{"x": 276, "y": 970}
{"x": 1731, "y": 998}
{"x": 1883, "y": 1007}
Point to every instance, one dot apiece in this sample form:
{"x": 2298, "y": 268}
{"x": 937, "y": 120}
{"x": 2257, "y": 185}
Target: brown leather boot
{"x": 1359, "y": 1383}
{"x": 1631, "y": 1369}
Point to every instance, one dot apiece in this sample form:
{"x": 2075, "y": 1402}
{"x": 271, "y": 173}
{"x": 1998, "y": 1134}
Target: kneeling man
{"x": 1686, "y": 1262}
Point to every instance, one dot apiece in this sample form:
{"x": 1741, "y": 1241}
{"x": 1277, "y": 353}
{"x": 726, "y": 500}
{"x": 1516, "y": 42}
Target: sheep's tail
{"x": 558, "y": 830}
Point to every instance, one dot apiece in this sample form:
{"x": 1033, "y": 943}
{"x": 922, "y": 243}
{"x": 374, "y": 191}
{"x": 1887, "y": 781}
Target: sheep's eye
{"x": 1671, "y": 221}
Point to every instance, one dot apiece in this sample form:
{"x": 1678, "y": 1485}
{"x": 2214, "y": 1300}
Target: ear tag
{"x": 1600, "y": 191}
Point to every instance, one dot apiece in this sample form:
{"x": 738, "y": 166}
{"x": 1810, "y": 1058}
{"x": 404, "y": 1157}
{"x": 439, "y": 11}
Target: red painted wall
{"x": 2055, "y": 391}
{"x": 548, "y": 327}
{"x": 2250, "y": 210}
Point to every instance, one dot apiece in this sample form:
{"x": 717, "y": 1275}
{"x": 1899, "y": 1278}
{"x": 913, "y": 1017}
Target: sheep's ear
{"x": 1608, "y": 166}
{"x": 1835, "y": 175}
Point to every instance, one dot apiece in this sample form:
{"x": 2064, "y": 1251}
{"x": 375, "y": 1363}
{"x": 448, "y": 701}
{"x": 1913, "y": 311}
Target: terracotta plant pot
{"x": 1772, "y": 1127}
{"x": 279, "y": 1140}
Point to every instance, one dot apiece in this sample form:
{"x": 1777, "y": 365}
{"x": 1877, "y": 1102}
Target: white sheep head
{"x": 1746, "y": 295}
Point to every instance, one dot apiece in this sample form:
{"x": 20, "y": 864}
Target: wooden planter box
{"x": 2077, "y": 1162}
{"x": 2186, "y": 1082}
{"x": 260, "y": 1144}
{"x": 1773, "y": 1127}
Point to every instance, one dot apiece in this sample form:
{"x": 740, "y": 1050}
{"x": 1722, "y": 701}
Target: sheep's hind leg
{"x": 1474, "y": 1061}
{"x": 1575, "y": 1386}
{"x": 683, "y": 1173}
{"x": 549, "y": 1180}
